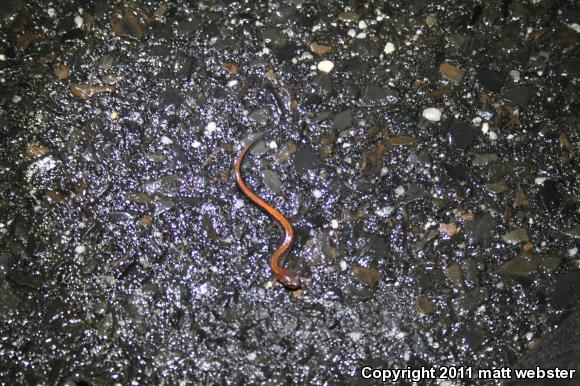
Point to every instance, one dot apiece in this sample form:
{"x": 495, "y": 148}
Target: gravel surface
{"x": 426, "y": 153}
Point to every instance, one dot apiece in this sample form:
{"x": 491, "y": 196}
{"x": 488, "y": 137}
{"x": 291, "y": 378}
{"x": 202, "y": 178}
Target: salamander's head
{"x": 289, "y": 279}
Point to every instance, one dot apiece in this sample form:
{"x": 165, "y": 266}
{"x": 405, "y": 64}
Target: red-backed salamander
{"x": 285, "y": 276}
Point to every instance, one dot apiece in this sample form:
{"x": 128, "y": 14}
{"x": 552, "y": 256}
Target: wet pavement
{"x": 425, "y": 152}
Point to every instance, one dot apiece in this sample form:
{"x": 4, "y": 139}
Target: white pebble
{"x": 493, "y": 135}
{"x": 355, "y": 336}
{"x": 399, "y": 191}
{"x": 232, "y": 83}
{"x": 273, "y": 145}
{"x": 362, "y": 24}
{"x": 239, "y": 204}
{"x": 196, "y": 144}
{"x": 325, "y": 66}
{"x": 2, "y": 58}
{"x": 16, "y": 98}
{"x": 166, "y": 140}
{"x": 343, "y": 265}
{"x": 515, "y": 74}
{"x": 572, "y": 251}
{"x": 210, "y": 128}
{"x": 351, "y": 32}
{"x": 384, "y": 211}
{"x": 51, "y": 12}
{"x": 540, "y": 180}
{"x": 79, "y": 21}
{"x": 114, "y": 115}
{"x": 485, "y": 128}
{"x": 317, "y": 193}
{"x": 80, "y": 249}
{"x": 384, "y": 171}
{"x": 361, "y": 35}
{"x": 432, "y": 114}
{"x": 389, "y": 48}
{"x": 334, "y": 224}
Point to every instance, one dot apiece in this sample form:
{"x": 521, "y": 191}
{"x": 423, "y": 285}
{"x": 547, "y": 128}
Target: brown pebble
{"x": 85, "y": 91}
{"x": 319, "y": 49}
{"x": 449, "y": 229}
{"x": 426, "y": 305}
{"x": 271, "y": 76}
{"x": 36, "y": 151}
{"x": 528, "y": 246}
{"x": 466, "y": 215}
{"x": 497, "y": 187}
{"x": 61, "y": 71}
{"x": 401, "y": 140}
{"x": 27, "y": 39}
{"x": 372, "y": 157}
{"x": 455, "y": 275}
{"x": 146, "y": 220}
{"x": 53, "y": 196}
{"x": 232, "y": 68}
{"x": 284, "y": 154}
{"x": 368, "y": 276}
{"x": 139, "y": 197}
{"x": 451, "y": 72}
{"x": 348, "y": 16}
{"x": 521, "y": 199}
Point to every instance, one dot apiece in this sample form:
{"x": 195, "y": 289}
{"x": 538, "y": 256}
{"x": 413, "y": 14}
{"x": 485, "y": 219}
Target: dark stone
{"x": 378, "y": 96}
{"x": 343, "y": 120}
{"x": 549, "y": 195}
{"x": 491, "y": 80}
{"x": 379, "y": 245}
{"x": 305, "y": 160}
{"x": 462, "y": 134}
{"x": 521, "y": 95}
{"x": 286, "y": 52}
{"x": 559, "y": 348}
{"x": 481, "y": 228}
{"x": 469, "y": 336}
{"x": 9, "y": 8}
{"x": 566, "y": 291}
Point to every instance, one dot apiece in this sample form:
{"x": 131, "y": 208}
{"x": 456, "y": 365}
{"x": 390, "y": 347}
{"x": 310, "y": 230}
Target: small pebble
{"x": 399, "y": 191}
{"x": 166, "y": 140}
{"x": 196, "y": 144}
{"x": 485, "y": 127}
{"x": 79, "y": 21}
{"x": 114, "y": 115}
{"x": 210, "y": 128}
{"x": 51, "y": 12}
{"x": 432, "y": 114}
{"x": 351, "y": 32}
{"x": 573, "y": 251}
{"x": 362, "y": 24}
{"x": 317, "y": 193}
{"x": 515, "y": 74}
{"x": 389, "y": 48}
{"x": 355, "y": 336}
{"x": 361, "y": 35}
{"x": 80, "y": 249}
{"x": 325, "y": 66}
{"x": 16, "y": 98}
{"x": 493, "y": 135}
{"x": 273, "y": 145}
{"x": 334, "y": 224}
{"x": 540, "y": 180}
{"x": 343, "y": 265}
